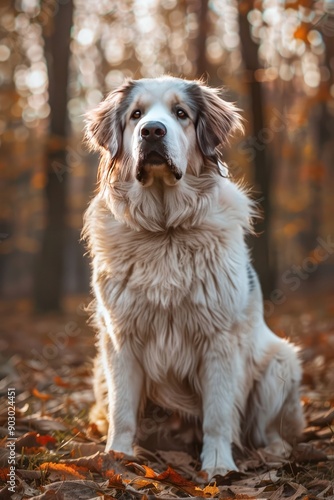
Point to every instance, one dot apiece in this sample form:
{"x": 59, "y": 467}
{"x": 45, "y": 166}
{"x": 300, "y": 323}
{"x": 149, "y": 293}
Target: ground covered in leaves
{"x": 46, "y": 361}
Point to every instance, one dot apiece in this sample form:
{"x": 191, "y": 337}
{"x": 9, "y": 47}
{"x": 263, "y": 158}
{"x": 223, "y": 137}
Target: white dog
{"x": 178, "y": 305}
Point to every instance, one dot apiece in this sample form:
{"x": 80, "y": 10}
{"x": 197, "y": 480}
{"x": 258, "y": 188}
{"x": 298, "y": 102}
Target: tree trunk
{"x": 49, "y": 265}
{"x": 201, "y": 9}
{"x": 204, "y": 69}
{"x": 261, "y": 242}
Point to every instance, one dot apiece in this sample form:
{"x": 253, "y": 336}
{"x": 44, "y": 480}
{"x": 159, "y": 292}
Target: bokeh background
{"x": 59, "y": 58}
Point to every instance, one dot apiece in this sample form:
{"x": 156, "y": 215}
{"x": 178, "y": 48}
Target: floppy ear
{"x": 104, "y": 129}
{"x": 217, "y": 120}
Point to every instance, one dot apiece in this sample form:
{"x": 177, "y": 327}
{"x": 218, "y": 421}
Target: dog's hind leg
{"x": 275, "y": 415}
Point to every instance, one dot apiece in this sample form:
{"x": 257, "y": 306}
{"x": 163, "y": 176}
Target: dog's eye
{"x": 136, "y": 114}
{"x": 180, "y": 113}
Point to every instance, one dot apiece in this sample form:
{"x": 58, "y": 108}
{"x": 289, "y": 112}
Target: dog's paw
{"x": 217, "y": 458}
{"x": 279, "y": 448}
{"x": 120, "y": 450}
{"x": 218, "y": 471}
{"x": 121, "y": 444}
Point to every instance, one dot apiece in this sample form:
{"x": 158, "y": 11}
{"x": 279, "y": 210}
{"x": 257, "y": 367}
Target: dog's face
{"x": 160, "y": 132}
{"x": 160, "y": 129}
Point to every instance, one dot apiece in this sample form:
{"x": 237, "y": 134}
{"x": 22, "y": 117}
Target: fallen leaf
{"x": 323, "y": 420}
{"x": 229, "y": 478}
{"x": 172, "y": 477}
{"x": 44, "y": 424}
{"x": 28, "y": 440}
{"x": 210, "y": 490}
{"x": 115, "y": 480}
{"x": 41, "y": 395}
{"x": 29, "y": 474}
{"x": 79, "y": 449}
{"x": 3, "y": 474}
{"x": 46, "y": 439}
{"x": 101, "y": 462}
{"x": 305, "y": 453}
{"x": 60, "y": 382}
{"x": 70, "y": 490}
{"x": 61, "y": 471}
{"x": 147, "y": 471}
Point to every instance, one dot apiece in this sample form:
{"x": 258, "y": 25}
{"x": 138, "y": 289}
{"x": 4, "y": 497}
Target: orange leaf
{"x": 100, "y": 462}
{"x": 115, "y": 480}
{"x": 60, "y": 382}
{"x": 3, "y": 474}
{"x": 173, "y": 477}
{"x": 62, "y": 469}
{"x": 210, "y": 491}
{"x": 44, "y": 440}
{"x": 149, "y": 472}
{"x": 41, "y": 395}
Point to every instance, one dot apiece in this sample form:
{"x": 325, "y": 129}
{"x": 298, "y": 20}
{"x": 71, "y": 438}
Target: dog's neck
{"x": 160, "y": 207}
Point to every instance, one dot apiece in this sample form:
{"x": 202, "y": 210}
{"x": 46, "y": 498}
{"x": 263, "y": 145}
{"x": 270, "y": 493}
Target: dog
{"x": 178, "y": 306}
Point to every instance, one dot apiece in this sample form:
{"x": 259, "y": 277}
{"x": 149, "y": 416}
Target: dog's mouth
{"x": 156, "y": 164}
{"x": 155, "y": 158}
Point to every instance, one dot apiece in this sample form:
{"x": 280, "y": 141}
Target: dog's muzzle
{"x": 154, "y": 160}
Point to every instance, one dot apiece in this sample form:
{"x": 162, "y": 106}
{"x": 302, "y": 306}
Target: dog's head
{"x": 161, "y": 129}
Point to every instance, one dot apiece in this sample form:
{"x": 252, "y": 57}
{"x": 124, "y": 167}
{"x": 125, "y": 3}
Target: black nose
{"x": 151, "y": 131}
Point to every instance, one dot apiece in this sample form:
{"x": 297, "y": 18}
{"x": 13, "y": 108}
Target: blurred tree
{"x": 276, "y": 56}
{"x": 50, "y": 262}
{"x": 262, "y": 170}
{"x": 201, "y": 10}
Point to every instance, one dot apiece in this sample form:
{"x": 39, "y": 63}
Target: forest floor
{"x": 45, "y": 371}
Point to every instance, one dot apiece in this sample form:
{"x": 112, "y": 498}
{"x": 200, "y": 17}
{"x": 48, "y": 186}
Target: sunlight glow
{"x": 312, "y": 78}
{"x": 4, "y": 53}
{"x": 36, "y": 79}
{"x": 85, "y": 36}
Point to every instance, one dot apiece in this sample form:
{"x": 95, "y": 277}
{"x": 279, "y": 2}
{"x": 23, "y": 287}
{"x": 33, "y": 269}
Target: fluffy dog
{"x": 178, "y": 305}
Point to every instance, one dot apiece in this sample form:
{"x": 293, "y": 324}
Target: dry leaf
{"x": 70, "y": 490}
{"x": 41, "y": 395}
{"x": 60, "y": 382}
{"x": 46, "y": 439}
{"x": 100, "y": 463}
{"x": 115, "y": 480}
{"x": 210, "y": 490}
{"x": 61, "y": 471}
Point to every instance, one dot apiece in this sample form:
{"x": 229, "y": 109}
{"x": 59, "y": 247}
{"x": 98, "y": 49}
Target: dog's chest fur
{"x": 170, "y": 293}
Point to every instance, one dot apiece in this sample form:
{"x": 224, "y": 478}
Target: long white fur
{"x": 180, "y": 320}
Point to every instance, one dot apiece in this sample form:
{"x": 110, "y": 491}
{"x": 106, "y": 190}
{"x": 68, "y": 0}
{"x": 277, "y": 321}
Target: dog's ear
{"x": 217, "y": 120}
{"x": 104, "y": 128}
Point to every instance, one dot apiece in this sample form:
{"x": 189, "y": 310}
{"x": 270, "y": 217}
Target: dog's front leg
{"x": 218, "y": 396}
{"x": 125, "y": 382}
